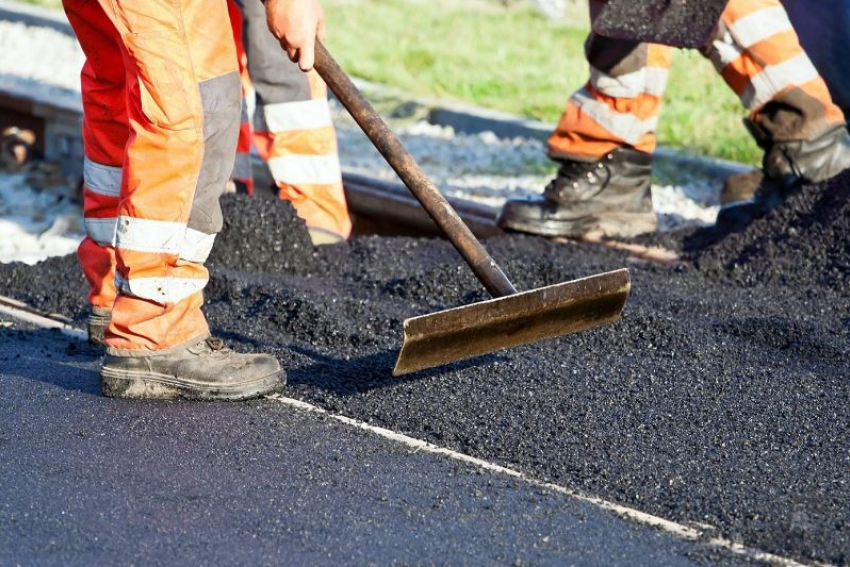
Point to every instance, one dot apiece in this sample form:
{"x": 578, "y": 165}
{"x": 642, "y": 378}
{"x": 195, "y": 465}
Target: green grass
{"x": 511, "y": 59}
{"x": 45, "y": 3}
{"x": 503, "y": 55}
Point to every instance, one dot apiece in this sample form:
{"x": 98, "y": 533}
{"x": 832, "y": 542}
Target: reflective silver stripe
{"x": 626, "y": 127}
{"x": 295, "y": 169}
{"x": 102, "y": 179}
{"x": 196, "y": 246}
{"x": 161, "y": 290}
{"x": 776, "y": 78}
{"x": 725, "y": 51}
{"x": 145, "y": 235}
{"x": 649, "y": 80}
{"x": 242, "y": 167}
{"x": 102, "y": 231}
{"x": 300, "y": 115}
{"x": 760, "y": 25}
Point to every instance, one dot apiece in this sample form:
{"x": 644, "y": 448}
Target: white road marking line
{"x": 676, "y": 529}
{"x": 679, "y": 530}
{"x": 43, "y": 322}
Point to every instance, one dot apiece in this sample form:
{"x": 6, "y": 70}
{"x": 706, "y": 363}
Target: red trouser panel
{"x": 153, "y": 195}
{"x": 105, "y": 133}
{"x": 755, "y": 50}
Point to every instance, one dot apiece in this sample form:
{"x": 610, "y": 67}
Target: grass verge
{"x": 509, "y": 58}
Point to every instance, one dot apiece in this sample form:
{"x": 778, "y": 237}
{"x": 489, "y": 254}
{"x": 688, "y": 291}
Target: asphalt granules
{"x": 806, "y": 241}
{"x": 721, "y": 397}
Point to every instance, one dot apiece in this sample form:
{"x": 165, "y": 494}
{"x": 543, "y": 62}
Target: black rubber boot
{"x": 786, "y": 166}
{"x": 206, "y": 370}
{"x": 609, "y": 197}
{"x": 96, "y": 324}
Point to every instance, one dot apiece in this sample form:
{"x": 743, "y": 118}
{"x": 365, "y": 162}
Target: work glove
{"x": 297, "y": 24}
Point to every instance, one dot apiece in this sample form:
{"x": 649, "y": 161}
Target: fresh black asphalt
{"x": 87, "y": 480}
{"x": 722, "y": 397}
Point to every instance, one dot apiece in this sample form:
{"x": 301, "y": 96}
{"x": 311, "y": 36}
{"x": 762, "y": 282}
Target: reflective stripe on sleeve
{"x": 295, "y": 169}
{"x": 102, "y": 179}
{"x": 300, "y": 115}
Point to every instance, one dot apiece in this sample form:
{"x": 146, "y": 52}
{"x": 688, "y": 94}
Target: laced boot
{"x": 787, "y": 165}
{"x": 206, "y": 370}
{"x": 609, "y": 197}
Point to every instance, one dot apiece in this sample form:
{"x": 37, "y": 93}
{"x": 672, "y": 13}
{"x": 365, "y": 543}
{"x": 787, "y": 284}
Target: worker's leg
{"x": 182, "y": 101}
{"x": 792, "y": 115}
{"x": 619, "y": 105}
{"x": 183, "y": 105}
{"x": 759, "y": 55}
{"x": 105, "y": 132}
{"x": 604, "y": 142}
{"x": 294, "y": 132}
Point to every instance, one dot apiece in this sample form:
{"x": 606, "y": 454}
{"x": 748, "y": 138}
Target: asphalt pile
{"x": 805, "y": 241}
{"x": 721, "y": 397}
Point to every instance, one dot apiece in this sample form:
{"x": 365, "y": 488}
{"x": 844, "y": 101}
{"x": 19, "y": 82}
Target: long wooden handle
{"x": 408, "y": 170}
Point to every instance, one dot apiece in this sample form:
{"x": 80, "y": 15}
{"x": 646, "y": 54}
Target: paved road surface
{"x": 85, "y": 479}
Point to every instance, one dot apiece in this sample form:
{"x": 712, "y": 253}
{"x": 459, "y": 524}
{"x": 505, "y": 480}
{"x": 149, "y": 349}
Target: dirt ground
{"x": 721, "y": 397}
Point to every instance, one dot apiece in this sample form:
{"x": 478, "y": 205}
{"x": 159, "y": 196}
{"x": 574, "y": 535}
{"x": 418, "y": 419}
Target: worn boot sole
{"x": 617, "y": 225}
{"x": 142, "y": 385}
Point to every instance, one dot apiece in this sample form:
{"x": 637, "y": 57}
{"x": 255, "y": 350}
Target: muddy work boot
{"x": 787, "y": 165}
{"x": 206, "y": 370}
{"x": 608, "y": 197}
{"x": 96, "y": 324}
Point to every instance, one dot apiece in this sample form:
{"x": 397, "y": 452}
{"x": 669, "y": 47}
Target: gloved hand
{"x": 297, "y": 24}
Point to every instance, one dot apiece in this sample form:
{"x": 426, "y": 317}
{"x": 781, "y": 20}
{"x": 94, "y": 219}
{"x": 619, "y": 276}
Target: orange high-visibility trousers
{"x": 756, "y": 51}
{"x": 162, "y": 99}
{"x": 292, "y": 128}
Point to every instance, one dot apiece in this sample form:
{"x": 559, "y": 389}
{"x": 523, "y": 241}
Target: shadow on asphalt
{"x": 348, "y": 377}
{"x": 56, "y": 351}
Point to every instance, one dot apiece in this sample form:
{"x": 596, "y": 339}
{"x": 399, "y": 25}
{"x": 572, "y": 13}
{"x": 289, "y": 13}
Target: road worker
{"x": 606, "y": 137}
{"x": 162, "y": 102}
{"x": 292, "y": 128}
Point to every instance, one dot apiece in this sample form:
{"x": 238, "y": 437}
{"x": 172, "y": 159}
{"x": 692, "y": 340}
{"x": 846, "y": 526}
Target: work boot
{"x": 96, "y": 324}
{"x": 206, "y": 370}
{"x": 786, "y": 167}
{"x": 609, "y": 196}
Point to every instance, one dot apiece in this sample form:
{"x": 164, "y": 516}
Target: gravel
{"x": 37, "y": 219}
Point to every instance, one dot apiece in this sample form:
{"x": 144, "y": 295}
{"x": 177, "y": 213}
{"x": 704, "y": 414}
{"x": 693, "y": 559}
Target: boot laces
{"x": 566, "y": 183}
{"x": 217, "y": 346}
